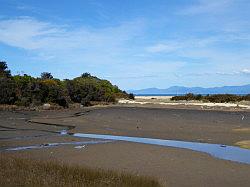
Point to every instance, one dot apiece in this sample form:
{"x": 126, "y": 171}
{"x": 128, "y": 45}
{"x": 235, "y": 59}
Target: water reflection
{"x": 220, "y": 151}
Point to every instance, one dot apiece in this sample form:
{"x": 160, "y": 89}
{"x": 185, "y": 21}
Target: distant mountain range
{"x": 179, "y": 90}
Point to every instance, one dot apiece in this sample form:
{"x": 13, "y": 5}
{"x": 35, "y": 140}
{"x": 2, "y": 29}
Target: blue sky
{"x": 134, "y": 44}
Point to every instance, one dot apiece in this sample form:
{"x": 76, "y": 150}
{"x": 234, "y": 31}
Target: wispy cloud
{"x": 163, "y": 48}
{"x": 25, "y": 7}
{"x": 235, "y": 73}
{"x": 141, "y": 47}
{"x": 246, "y": 71}
{"x": 205, "y": 6}
{"x": 32, "y": 34}
{"x": 180, "y": 43}
{"x": 50, "y": 39}
{"x": 132, "y": 77}
{"x": 220, "y": 73}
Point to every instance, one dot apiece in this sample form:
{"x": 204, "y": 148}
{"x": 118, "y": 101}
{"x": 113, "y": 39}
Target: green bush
{"x": 131, "y": 96}
{"x": 216, "y": 98}
{"x": 223, "y": 98}
{"x": 23, "y": 101}
{"x": 7, "y": 91}
{"x": 86, "y": 101}
{"x": 187, "y": 97}
{"x": 92, "y": 88}
{"x": 246, "y": 97}
{"x": 4, "y": 72}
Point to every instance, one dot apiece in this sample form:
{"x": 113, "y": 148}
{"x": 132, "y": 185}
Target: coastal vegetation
{"x": 25, "y": 90}
{"x": 243, "y": 144}
{"x": 27, "y": 172}
{"x": 216, "y": 98}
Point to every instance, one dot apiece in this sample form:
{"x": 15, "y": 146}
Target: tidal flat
{"x": 171, "y": 166}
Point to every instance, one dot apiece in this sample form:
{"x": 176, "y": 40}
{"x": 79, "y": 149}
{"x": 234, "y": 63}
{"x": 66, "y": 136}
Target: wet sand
{"x": 172, "y": 166}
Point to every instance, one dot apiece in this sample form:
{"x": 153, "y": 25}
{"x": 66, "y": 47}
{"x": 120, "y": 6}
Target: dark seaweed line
{"x": 77, "y": 114}
{"x": 69, "y": 127}
{"x": 27, "y": 137}
{"x": 21, "y": 129}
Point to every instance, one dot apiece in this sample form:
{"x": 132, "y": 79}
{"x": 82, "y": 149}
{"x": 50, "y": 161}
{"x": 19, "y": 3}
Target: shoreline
{"x": 165, "y": 101}
{"x": 140, "y": 101}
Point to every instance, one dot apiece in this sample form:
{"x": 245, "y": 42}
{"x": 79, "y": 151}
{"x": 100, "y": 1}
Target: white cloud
{"x": 181, "y": 44}
{"x": 246, "y": 71}
{"x": 166, "y": 48}
{"x": 206, "y": 6}
{"x": 109, "y": 52}
{"x": 132, "y": 77}
{"x": 48, "y": 39}
{"x": 25, "y": 33}
{"x": 235, "y": 73}
{"x": 220, "y": 73}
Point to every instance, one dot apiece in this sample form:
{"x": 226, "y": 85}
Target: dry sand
{"x": 166, "y": 101}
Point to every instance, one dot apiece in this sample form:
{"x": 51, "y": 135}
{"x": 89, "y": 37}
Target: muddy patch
{"x": 242, "y": 130}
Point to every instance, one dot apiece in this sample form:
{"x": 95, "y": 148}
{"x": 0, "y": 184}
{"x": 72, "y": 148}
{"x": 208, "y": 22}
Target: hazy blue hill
{"x": 245, "y": 89}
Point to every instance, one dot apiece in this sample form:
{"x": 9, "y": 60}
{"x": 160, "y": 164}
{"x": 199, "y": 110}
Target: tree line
{"x": 25, "y": 90}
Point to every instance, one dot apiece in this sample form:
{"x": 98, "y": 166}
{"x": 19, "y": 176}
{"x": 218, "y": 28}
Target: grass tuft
{"x": 243, "y": 144}
{"x": 27, "y": 172}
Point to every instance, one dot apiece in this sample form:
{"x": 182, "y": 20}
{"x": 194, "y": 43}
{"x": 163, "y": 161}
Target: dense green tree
{"x": 46, "y": 75}
{"x": 4, "y": 72}
{"x": 7, "y": 91}
{"x": 91, "y": 88}
{"x": 26, "y": 90}
{"x": 84, "y": 75}
{"x": 7, "y": 85}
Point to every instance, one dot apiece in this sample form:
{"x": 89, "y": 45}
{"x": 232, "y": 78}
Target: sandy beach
{"x": 165, "y": 101}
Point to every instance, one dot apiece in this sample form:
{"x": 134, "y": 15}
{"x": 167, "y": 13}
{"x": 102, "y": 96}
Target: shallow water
{"x": 48, "y": 145}
{"x": 231, "y": 153}
{"x": 225, "y": 152}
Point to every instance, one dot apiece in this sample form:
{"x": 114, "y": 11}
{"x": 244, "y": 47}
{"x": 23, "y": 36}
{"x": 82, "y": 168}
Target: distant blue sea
{"x": 157, "y": 94}
{"x": 176, "y": 94}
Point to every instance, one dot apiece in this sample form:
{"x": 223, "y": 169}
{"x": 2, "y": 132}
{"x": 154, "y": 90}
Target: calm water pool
{"x": 225, "y": 152}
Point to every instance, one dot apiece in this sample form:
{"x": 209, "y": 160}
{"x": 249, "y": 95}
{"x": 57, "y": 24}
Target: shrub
{"x": 216, "y": 98}
{"x": 131, "y": 96}
{"x": 223, "y": 98}
{"x": 7, "y": 91}
{"x": 23, "y": 101}
{"x": 62, "y": 102}
{"x": 91, "y": 88}
{"x": 246, "y": 97}
{"x": 86, "y": 101}
{"x": 187, "y": 97}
